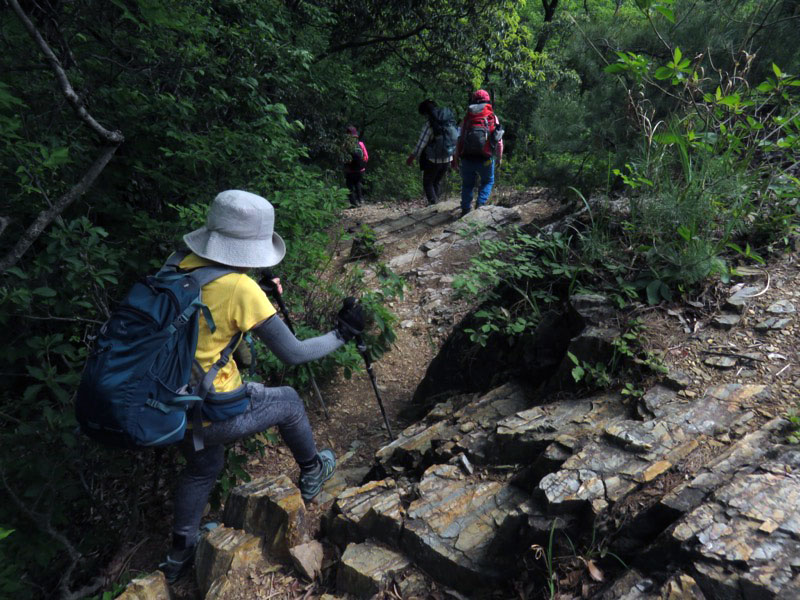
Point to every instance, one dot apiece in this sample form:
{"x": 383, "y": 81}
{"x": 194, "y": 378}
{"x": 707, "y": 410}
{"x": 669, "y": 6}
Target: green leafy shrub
{"x": 389, "y": 178}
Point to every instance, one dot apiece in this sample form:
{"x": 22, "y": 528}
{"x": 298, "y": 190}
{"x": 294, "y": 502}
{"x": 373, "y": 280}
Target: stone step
{"x": 152, "y": 586}
{"x": 272, "y": 508}
{"x": 224, "y": 550}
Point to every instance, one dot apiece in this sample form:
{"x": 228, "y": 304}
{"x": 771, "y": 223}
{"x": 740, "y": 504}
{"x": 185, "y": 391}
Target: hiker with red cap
{"x": 355, "y": 166}
{"x": 480, "y": 140}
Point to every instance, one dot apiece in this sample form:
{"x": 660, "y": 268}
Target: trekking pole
{"x": 362, "y": 349}
{"x": 272, "y": 288}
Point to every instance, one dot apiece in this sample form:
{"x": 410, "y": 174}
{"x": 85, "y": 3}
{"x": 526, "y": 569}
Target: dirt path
{"x": 356, "y": 424}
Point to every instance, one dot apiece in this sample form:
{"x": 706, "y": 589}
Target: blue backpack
{"x": 135, "y": 390}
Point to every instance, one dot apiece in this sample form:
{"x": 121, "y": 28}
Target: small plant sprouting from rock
{"x": 630, "y": 361}
{"x": 577, "y": 569}
{"x": 365, "y": 244}
{"x": 794, "y": 435}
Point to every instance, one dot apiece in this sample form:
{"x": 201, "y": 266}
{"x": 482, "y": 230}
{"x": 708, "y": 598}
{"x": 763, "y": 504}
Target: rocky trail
{"x": 685, "y": 489}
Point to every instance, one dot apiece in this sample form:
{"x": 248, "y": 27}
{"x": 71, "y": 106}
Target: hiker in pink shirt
{"x": 355, "y": 167}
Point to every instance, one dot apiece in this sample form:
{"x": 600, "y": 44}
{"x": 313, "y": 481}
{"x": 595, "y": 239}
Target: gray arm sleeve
{"x": 283, "y": 344}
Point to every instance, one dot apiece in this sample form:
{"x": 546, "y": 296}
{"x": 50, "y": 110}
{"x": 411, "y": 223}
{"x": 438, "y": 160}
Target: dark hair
{"x": 425, "y": 106}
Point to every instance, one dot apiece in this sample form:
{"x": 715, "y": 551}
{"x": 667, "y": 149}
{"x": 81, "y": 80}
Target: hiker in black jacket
{"x": 435, "y": 147}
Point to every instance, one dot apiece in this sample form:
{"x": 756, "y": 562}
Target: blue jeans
{"x": 268, "y": 406}
{"x": 470, "y": 170}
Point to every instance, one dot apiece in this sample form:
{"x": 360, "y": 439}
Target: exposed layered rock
{"x": 463, "y": 530}
{"x": 744, "y": 534}
{"x": 582, "y": 325}
{"x": 630, "y": 453}
{"x": 583, "y": 457}
{"x": 373, "y": 510}
{"x": 461, "y": 425}
{"x": 367, "y": 569}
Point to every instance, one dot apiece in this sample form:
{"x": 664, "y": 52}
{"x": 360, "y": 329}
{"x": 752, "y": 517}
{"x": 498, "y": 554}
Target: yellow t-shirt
{"x": 236, "y": 304}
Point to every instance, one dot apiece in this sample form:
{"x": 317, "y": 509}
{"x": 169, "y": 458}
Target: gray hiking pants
{"x": 268, "y": 407}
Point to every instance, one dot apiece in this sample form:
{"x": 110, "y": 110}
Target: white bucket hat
{"x": 238, "y": 232}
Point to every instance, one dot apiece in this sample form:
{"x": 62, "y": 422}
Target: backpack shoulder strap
{"x": 175, "y": 259}
{"x": 206, "y": 385}
{"x": 204, "y": 275}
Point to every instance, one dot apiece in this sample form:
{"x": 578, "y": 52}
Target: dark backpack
{"x": 481, "y": 134}
{"x": 135, "y": 389}
{"x": 357, "y": 159}
{"x": 356, "y": 155}
{"x": 445, "y": 135}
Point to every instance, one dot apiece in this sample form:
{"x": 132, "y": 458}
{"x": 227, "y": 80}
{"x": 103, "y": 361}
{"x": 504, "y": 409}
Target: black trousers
{"x": 432, "y": 175}
{"x": 353, "y": 181}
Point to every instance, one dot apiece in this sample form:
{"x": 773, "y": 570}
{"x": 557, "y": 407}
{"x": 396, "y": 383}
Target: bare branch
{"x": 372, "y": 41}
{"x": 47, "y": 216}
{"x": 112, "y": 137}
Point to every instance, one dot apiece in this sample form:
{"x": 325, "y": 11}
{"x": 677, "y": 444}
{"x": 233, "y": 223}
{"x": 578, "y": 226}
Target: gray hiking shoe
{"x": 311, "y": 481}
{"x": 176, "y": 563}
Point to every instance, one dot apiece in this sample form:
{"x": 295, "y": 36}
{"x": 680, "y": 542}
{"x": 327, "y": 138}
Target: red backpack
{"x": 479, "y": 134}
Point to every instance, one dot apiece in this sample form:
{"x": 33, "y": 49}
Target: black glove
{"x": 268, "y": 285}
{"x": 350, "y": 319}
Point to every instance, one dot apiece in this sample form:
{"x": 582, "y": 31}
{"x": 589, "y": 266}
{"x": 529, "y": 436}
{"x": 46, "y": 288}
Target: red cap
{"x": 481, "y": 96}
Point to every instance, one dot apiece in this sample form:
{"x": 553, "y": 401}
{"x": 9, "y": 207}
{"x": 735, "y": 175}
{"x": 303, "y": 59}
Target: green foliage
{"x": 592, "y": 375}
{"x": 389, "y": 178}
{"x": 705, "y": 181}
{"x": 10, "y": 584}
{"x": 365, "y": 244}
{"x": 630, "y": 363}
{"x": 793, "y": 437}
{"x": 522, "y": 265}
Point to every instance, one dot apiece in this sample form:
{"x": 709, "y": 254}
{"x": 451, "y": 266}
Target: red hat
{"x": 481, "y": 96}
{"x": 352, "y": 130}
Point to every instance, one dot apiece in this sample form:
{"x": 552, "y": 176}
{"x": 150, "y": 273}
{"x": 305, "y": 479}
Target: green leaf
{"x": 57, "y": 157}
{"x": 776, "y": 70}
{"x": 666, "y": 13}
{"x": 45, "y": 292}
{"x": 663, "y": 73}
{"x": 616, "y": 68}
{"x": 653, "y": 292}
{"x": 578, "y": 373}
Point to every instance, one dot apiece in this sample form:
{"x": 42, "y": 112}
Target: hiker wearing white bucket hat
{"x": 239, "y": 233}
